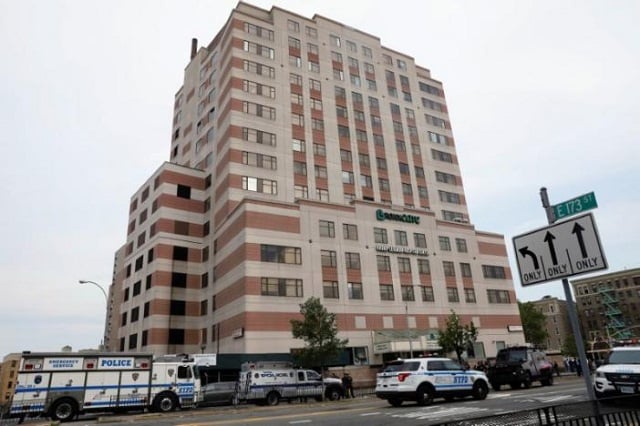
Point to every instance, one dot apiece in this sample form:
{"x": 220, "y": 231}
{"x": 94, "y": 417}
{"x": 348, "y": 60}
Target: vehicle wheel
{"x": 515, "y": 385}
{"x": 64, "y": 410}
{"x": 333, "y": 394}
{"x": 395, "y": 402}
{"x": 424, "y": 395}
{"x": 273, "y": 398}
{"x": 526, "y": 383}
{"x": 165, "y": 402}
{"x": 480, "y": 390}
{"x": 495, "y": 386}
{"x": 547, "y": 381}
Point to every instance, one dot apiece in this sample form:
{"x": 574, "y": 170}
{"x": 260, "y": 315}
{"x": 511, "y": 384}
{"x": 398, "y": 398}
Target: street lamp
{"x": 106, "y": 298}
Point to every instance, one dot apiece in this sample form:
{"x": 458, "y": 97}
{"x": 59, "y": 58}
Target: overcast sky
{"x": 540, "y": 93}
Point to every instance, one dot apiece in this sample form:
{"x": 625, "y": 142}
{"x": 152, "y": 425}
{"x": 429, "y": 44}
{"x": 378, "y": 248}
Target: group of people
{"x": 347, "y": 384}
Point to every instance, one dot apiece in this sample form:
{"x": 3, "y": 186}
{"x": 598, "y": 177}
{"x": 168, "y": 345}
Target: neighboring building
{"x": 306, "y": 159}
{"x": 557, "y": 321}
{"x": 8, "y": 377}
{"x": 609, "y": 306}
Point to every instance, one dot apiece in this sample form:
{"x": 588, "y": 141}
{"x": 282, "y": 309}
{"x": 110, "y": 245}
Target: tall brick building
{"x": 306, "y": 159}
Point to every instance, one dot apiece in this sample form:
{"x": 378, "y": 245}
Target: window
{"x": 258, "y": 31}
{"x": 293, "y": 26}
{"x": 449, "y": 197}
{"x": 327, "y": 229}
{"x": 446, "y": 178}
{"x": 179, "y": 280}
{"x": 313, "y": 66}
{"x": 285, "y": 287}
{"x": 178, "y": 307}
{"x": 335, "y": 40}
{"x": 452, "y": 295}
{"x": 381, "y": 163}
{"x": 465, "y": 270}
{"x": 315, "y": 85}
{"x": 258, "y": 49}
{"x": 295, "y": 79}
{"x": 280, "y": 254}
{"x": 347, "y": 177}
{"x": 407, "y": 189}
{"x": 315, "y": 104}
{"x": 298, "y": 145}
{"x": 328, "y": 258}
{"x": 330, "y": 289}
{"x": 461, "y": 245}
{"x": 365, "y": 181}
{"x": 498, "y": 296}
{"x": 407, "y": 293}
{"x": 404, "y": 265}
{"x": 259, "y": 89}
{"x": 342, "y": 112}
{"x": 259, "y": 160}
{"x": 449, "y": 269}
{"x": 297, "y": 119}
{"x": 259, "y": 110}
{"x": 441, "y": 156}
{"x": 176, "y": 336}
{"x": 400, "y": 238}
{"x": 384, "y": 184}
{"x": 311, "y": 32}
{"x": 469, "y": 295}
{"x": 419, "y": 171}
{"x": 294, "y": 43}
{"x": 349, "y": 231}
{"x": 438, "y": 138}
{"x": 319, "y": 150}
{"x": 490, "y": 271}
{"x": 355, "y": 291}
{"x": 322, "y": 194}
{"x": 427, "y": 294}
{"x": 320, "y": 172}
{"x": 404, "y": 169}
{"x": 453, "y": 216}
{"x": 352, "y": 260}
{"x": 380, "y": 236}
{"x": 420, "y": 240}
{"x": 258, "y": 136}
{"x": 297, "y": 99}
{"x": 367, "y": 52}
{"x": 423, "y": 266}
{"x": 445, "y": 243}
{"x": 301, "y": 191}
{"x": 265, "y": 186}
{"x": 183, "y": 191}
{"x": 317, "y": 124}
{"x": 300, "y": 168}
{"x": 384, "y": 263}
{"x": 386, "y": 292}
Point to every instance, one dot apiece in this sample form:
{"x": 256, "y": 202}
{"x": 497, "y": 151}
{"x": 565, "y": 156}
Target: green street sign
{"x": 575, "y": 205}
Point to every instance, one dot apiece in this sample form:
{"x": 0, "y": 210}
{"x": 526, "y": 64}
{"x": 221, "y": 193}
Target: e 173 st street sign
{"x": 558, "y": 251}
{"x": 575, "y": 205}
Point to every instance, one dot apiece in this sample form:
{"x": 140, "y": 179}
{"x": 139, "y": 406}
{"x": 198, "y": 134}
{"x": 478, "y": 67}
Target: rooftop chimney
{"x": 194, "y": 47}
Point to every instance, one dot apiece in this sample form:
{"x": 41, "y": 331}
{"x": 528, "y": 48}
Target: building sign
{"x": 402, "y": 250}
{"x": 406, "y": 218}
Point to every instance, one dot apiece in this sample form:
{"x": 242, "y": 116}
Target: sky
{"x": 541, "y": 93}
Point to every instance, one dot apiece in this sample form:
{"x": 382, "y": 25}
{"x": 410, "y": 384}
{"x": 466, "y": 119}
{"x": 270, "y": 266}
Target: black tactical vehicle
{"x": 518, "y": 366}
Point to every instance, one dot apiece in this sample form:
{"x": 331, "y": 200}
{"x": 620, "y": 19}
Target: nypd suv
{"x": 423, "y": 379}
{"x": 620, "y": 375}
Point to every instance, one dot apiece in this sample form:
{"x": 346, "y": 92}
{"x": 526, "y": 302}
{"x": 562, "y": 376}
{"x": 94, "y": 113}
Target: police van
{"x": 269, "y": 382}
{"x": 62, "y": 385}
{"x": 424, "y": 379}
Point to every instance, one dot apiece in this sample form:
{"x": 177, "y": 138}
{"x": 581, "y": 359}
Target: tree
{"x": 457, "y": 337}
{"x": 534, "y": 324}
{"x": 569, "y": 347}
{"x": 319, "y": 331}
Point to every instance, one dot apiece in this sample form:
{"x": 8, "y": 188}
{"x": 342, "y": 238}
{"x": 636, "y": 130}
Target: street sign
{"x": 558, "y": 251}
{"x": 575, "y": 205}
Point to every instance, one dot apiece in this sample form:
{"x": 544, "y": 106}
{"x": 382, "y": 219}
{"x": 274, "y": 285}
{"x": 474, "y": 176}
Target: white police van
{"x": 620, "y": 374}
{"x": 423, "y": 379}
{"x": 62, "y": 385}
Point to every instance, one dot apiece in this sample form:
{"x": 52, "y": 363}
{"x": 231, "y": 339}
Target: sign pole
{"x": 571, "y": 307}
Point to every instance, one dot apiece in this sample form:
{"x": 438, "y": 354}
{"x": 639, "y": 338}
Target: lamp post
{"x": 106, "y": 298}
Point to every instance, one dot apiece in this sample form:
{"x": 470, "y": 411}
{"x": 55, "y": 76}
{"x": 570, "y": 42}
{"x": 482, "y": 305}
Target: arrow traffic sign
{"x": 558, "y": 251}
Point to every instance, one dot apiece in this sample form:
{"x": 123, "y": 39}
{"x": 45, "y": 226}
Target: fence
{"x": 619, "y": 412}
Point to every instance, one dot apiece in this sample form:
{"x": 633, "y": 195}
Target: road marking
{"x": 299, "y": 421}
{"x": 370, "y": 414}
{"x": 557, "y": 398}
{"x": 500, "y": 395}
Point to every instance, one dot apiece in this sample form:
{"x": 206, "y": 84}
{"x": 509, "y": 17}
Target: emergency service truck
{"x": 62, "y": 385}
{"x": 269, "y": 382}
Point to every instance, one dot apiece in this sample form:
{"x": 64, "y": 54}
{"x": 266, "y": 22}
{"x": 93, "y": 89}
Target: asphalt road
{"x": 366, "y": 409}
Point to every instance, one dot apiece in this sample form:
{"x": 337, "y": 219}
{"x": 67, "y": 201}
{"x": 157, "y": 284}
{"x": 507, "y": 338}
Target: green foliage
{"x": 534, "y": 324}
{"x": 569, "y": 347}
{"x": 457, "y": 337}
{"x": 319, "y": 331}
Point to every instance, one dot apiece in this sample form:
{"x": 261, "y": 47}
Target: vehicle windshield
{"x": 512, "y": 355}
{"x": 402, "y": 366}
{"x": 624, "y": 357}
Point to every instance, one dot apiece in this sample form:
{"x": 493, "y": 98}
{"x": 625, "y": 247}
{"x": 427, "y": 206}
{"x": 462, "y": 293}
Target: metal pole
{"x": 106, "y": 298}
{"x": 571, "y": 307}
{"x": 406, "y": 309}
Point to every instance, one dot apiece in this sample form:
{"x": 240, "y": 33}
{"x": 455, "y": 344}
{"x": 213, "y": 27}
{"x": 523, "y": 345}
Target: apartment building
{"x": 8, "y": 377}
{"x": 557, "y": 321}
{"x": 306, "y": 159}
{"x": 608, "y": 306}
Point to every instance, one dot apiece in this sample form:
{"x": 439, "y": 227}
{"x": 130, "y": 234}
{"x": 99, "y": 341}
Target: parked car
{"x": 519, "y": 366}
{"x": 219, "y": 393}
{"x": 620, "y": 374}
{"x": 424, "y": 379}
